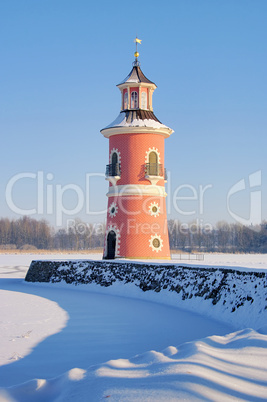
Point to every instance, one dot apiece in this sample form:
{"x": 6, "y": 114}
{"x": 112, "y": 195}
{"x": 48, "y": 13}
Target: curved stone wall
{"x": 228, "y": 289}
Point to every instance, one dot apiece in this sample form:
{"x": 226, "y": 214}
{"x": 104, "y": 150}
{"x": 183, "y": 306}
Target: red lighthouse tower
{"x": 136, "y": 215}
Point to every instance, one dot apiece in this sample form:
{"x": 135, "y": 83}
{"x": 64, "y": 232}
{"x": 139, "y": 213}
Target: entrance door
{"x": 111, "y": 245}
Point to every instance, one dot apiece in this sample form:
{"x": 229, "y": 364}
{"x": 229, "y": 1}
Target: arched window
{"x": 114, "y": 158}
{"x": 114, "y": 164}
{"x": 153, "y": 163}
{"x": 134, "y": 100}
{"x": 144, "y": 100}
{"x": 153, "y": 157}
{"x": 125, "y": 100}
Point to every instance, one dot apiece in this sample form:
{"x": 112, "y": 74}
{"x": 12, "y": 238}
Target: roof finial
{"x": 136, "y": 54}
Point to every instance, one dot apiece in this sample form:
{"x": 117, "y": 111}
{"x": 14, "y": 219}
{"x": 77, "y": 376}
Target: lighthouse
{"x": 136, "y": 225}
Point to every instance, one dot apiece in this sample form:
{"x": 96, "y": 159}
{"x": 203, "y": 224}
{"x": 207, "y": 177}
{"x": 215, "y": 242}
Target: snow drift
{"x": 215, "y": 368}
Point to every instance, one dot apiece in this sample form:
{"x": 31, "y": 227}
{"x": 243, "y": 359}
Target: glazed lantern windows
{"x": 144, "y": 100}
{"x": 134, "y": 100}
{"x": 125, "y": 100}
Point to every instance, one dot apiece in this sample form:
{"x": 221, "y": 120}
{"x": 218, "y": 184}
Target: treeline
{"x": 25, "y": 232}
{"x": 223, "y": 237}
{"x": 29, "y": 233}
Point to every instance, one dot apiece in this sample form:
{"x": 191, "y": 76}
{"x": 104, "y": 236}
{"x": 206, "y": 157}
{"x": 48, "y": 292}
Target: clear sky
{"x": 60, "y": 63}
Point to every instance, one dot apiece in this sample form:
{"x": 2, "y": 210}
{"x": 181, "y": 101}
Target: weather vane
{"x": 136, "y": 52}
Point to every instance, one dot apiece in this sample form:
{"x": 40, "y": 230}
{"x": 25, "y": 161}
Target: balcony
{"x": 113, "y": 173}
{"x": 155, "y": 172}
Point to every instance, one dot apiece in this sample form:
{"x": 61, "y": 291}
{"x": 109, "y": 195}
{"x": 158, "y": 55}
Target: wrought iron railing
{"x": 114, "y": 169}
{"x": 165, "y": 174}
{"x": 154, "y": 169}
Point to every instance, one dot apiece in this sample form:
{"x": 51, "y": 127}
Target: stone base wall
{"x": 227, "y": 289}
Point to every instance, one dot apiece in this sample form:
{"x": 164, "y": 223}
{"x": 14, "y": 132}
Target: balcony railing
{"x": 114, "y": 169}
{"x": 155, "y": 169}
{"x": 165, "y": 174}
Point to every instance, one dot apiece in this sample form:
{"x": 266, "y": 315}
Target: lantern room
{"x": 136, "y": 90}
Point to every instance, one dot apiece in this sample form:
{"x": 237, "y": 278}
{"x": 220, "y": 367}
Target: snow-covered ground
{"x": 61, "y": 342}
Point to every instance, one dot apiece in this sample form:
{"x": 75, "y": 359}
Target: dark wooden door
{"x": 111, "y": 245}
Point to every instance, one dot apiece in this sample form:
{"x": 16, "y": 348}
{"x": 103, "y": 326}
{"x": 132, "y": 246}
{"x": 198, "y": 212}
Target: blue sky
{"x": 60, "y": 63}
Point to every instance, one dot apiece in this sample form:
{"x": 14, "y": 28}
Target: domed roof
{"x": 136, "y": 76}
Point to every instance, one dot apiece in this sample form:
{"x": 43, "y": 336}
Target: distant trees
{"x": 224, "y": 237}
{"x": 80, "y": 236}
{"x": 26, "y": 232}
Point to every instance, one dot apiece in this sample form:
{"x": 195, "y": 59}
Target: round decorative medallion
{"x": 154, "y": 209}
{"x": 113, "y": 210}
{"x": 156, "y": 243}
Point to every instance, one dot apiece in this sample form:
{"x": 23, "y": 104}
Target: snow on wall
{"x": 237, "y": 297}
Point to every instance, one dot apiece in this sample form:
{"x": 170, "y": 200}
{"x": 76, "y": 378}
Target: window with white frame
{"x": 125, "y": 100}
{"x": 144, "y": 100}
{"x": 134, "y": 100}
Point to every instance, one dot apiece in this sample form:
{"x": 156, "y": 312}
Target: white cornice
{"x": 136, "y": 189}
{"x": 108, "y": 132}
{"x": 136, "y": 84}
